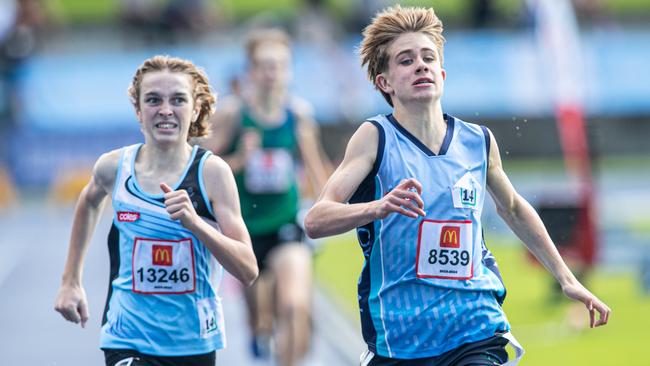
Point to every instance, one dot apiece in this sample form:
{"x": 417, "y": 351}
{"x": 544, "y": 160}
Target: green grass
{"x": 538, "y": 319}
{"x": 88, "y": 12}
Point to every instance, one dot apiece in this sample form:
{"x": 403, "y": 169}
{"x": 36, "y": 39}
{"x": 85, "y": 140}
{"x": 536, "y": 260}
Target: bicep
{"x": 357, "y": 163}
{"x": 499, "y": 185}
{"x": 103, "y": 178}
{"x": 224, "y": 198}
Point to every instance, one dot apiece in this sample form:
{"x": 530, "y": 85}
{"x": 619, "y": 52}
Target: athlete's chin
{"x": 164, "y": 140}
{"x": 424, "y": 98}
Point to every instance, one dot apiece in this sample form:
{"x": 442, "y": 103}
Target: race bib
{"x": 269, "y": 171}
{"x": 466, "y": 192}
{"x": 163, "y": 266}
{"x": 445, "y": 250}
{"x": 209, "y": 319}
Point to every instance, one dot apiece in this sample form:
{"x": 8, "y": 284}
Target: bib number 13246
{"x": 163, "y": 266}
{"x": 445, "y": 250}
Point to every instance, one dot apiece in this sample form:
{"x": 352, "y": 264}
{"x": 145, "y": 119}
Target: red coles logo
{"x": 125, "y": 216}
{"x": 450, "y": 237}
{"x": 161, "y": 255}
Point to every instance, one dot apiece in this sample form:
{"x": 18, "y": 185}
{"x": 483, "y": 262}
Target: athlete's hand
{"x": 593, "y": 304}
{"x": 404, "y": 199}
{"x": 71, "y": 302}
{"x": 179, "y": 206}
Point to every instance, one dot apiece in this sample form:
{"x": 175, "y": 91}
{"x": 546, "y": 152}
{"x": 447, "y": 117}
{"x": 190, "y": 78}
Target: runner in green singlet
{"x": 270, "y": 140}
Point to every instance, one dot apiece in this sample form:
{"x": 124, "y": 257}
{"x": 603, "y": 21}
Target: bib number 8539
{"x": 445, "y": 249}
{"x": 446, "y": 256}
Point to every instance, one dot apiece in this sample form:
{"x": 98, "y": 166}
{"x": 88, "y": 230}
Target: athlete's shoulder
{"x": 230, "y": 106}
{"x": 215, "y": 169}
{"x": 300, "y": 107}
{"x": 365, "y": 141}
{"x": 105, "y": 169}
{"x": 461, "y": 124}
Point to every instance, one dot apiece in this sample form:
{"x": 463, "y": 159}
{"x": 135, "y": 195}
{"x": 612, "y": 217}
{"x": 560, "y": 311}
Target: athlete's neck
{"x": 163, "y": 160}
{"x": 424, "y": 121}
{"x": 268, "y": 102}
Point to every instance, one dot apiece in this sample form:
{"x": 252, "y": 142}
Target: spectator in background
{"x": 23, "y": 23}
{"x": 482, "y": 13}
{"x": 168, "y": 21}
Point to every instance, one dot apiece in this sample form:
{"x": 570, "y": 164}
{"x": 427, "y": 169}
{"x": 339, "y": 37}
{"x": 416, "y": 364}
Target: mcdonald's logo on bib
{"x": 161, "y": 255}
{"x": 450, "y": 237}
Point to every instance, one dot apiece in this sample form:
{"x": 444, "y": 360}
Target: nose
{"x": 421, "y": 66}
{"x": 165, "y": 110}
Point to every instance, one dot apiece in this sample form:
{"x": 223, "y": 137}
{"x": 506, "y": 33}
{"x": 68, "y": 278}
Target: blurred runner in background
{"x": 271, "y": 142}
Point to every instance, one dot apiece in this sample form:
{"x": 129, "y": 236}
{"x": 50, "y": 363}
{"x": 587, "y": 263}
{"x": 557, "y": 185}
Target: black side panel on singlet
{"x": 114, "y": 255}
{"x": 191, "y": 185}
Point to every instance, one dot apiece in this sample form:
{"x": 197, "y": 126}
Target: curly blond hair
{"x": 389, "y": 24}
{"x": 202, "y": 93}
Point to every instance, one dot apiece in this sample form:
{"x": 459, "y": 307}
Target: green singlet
{"x": 268, "y": 186}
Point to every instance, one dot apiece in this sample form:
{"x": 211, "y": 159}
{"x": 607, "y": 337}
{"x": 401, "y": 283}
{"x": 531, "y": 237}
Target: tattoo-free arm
{"x": 524, "y": 221}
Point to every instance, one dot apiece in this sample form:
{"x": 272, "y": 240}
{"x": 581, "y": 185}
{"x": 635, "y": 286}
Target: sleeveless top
{"x": 162, "y": 298}
{"x": 268, "y": 185}
{"x": 429, "y": 284}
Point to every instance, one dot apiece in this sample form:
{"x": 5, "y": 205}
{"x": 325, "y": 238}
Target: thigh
{"x": 291, "y": 264}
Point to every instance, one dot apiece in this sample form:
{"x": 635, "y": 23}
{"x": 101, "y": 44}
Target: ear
{"x": 195, "y": 114}
{"x": 444, "y": 74}
{"x": 138, "y": 115}
{"x": 383, "y": 84}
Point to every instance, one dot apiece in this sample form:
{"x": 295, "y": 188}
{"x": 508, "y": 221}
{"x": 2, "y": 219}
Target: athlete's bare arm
{"x": 230, "y": 243}
{"x": 317, "y": 165}
{"x": 71, "y": 299}
{"x": 331, "y": 214}
{"x": 224, "y": 125}
{"x": 524, "y": 221}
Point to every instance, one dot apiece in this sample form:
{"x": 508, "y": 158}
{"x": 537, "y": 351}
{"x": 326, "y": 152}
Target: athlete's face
{"x": 271, "y": 66}
{"x": 414, "y": 72}
{"x": 166, "y": 106}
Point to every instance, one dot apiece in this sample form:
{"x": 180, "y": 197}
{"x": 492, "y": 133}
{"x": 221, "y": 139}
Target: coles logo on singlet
{"x": 125, "y": 216}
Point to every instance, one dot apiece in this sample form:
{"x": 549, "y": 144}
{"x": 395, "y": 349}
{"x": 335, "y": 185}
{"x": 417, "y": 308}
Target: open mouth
{"x": 166, "y": 125}
{"x": 423, "y": 81}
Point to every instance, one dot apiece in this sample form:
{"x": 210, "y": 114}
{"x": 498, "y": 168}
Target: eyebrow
{"x": 175, "y": 94}
{"x": 410, "y": 51}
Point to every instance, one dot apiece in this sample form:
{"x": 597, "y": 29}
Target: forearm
{"x": 527, "y": 225}
{"x": 331, "y": 218}
{"x": 235, "y": 256}
{"x": 85, "y": 219}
